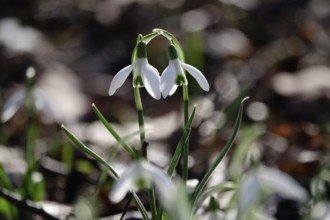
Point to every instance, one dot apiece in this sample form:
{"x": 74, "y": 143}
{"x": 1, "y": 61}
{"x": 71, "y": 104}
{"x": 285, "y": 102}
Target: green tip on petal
{"x": 172, "y": 53}
{"x": 181, "y": 80}
{"x": 141, "y": 50}
{"x": 213, "y": 205}
{"x": 137, "y": 81}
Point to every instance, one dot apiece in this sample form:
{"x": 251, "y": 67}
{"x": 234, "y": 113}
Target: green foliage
{"x": 201, "y": 186}
{"x": 6, "y": 208}
{"x": 33, "y": 187}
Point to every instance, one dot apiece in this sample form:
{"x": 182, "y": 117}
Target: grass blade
{"x": 200, "y": 187}
{"x": 177, "y": 153}
{"x": 140, "y": 206}
{"x": 183, "y": 140}
{"x": 88, "y": 151}
{"x": 222, "y": 187}
{"x": 113, "y": 132}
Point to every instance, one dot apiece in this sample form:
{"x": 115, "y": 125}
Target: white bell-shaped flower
{"x": 141, "y": 174}
{"x": 144, "y": 74}
{"x": 174, "y": 76}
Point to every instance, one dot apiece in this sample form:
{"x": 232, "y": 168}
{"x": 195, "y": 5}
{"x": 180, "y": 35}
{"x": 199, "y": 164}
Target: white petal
{"x": 161, "y": 180}
{"x": 119, "y": 79}
{"x": 12, "y": 105}
{"x": 248, "y": 193}
{"x": 151, "y": 80}
{"x": 123, "y": 184}
{"x": 282, "y": 184}
{"x": 168, "y": 80}
{"x": 198, "y": 75}
{"x": 173, "y": 90}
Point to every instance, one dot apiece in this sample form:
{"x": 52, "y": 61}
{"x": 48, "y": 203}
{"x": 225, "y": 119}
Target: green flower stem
{"x": 31, "y": 132}
{"x": 144, "y": 153}
{"x": 147, "y": 38}
{"x": 139, "y": 108}
{"x": 185, "y": 156}
{"x": 112, "y": 172}
{"x": 173, "y": 40}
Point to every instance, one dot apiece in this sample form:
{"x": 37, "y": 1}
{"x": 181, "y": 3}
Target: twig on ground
{"x": 26, "y": 204}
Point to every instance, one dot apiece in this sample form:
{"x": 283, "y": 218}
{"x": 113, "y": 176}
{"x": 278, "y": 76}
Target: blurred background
{"x": 274, "y": 51}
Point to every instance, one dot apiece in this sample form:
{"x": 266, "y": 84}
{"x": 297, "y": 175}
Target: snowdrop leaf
{"x": 203, "y": 182}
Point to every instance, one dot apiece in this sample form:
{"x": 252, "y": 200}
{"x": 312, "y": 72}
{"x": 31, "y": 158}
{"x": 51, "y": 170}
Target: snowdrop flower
{"x": 141, "y": 174}
{"x": 270, "y": 180}
{"x": 38, "y": 99}
{"x": 174, "y": 76}
{"x": 144, "y": 74}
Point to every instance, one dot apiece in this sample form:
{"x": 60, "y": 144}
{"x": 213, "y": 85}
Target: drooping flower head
{"x": 32, "y": 96}
{"x": 174, "y": 76}
{"x": 144, "y": 75}
{"x": 141, "y": 174}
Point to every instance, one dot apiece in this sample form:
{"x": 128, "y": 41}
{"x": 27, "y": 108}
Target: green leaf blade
{"x": 91, "y": 153}
{"x": 113, "y": 132}
{"x": 202, "y": 184}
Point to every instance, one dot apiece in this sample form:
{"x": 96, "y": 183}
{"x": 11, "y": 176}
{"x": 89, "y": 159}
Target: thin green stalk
{"x": 173, "y": 40}
{"x": 185, "y": 156}
{"x": 30, "y": 137}
{"x": 31, "y": 131}
{"x": 147, "y": 38}
{"x": 200, "y": 187}
{"x": 139, "y": 108}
